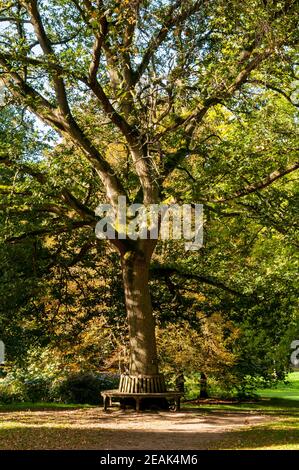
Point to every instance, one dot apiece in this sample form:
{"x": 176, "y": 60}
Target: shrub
{"x": 82, "y": 387}
{"x": 11, "y": 391}
{"x": 8, "y": 396}
{"x": 37, "y": 389}
{"x": 247, "y": 386}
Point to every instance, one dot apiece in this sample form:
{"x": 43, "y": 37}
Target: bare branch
{"x": 171, "y": 19}
{"x": 13, "y": 19}
{"x": 187, "y": 172}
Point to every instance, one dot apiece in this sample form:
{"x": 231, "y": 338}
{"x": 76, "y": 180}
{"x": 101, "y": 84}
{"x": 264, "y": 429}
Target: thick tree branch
{"x": 49, "y": 114}
{"x": 138, "y": 150}
{"x": 29, "y": 96}
{"x": 111, "y": 182}
{"x": 97, "y": 47}
{"x": 254, "y": 187}
{"x": 78, "y": 206}
{"x": 48, "y": 50}
{"x": 224, "y": 92}
{"x": 172, "y": 271}
{"x": 49, "y": 231}
{"x": 244, "y": 74}
{"x": 194, "y": 118}
{"x": 130, "y": 133}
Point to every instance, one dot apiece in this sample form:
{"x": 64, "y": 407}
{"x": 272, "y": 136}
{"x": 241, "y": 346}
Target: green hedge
{"x": 82, "y": 387}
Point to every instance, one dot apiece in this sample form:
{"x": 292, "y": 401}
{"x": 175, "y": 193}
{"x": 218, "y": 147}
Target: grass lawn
{"x": 40, "y": 406}
{"x": 287, "y": 391}
{"x": 280, "y": 433}
{"x": 281, "y": 401}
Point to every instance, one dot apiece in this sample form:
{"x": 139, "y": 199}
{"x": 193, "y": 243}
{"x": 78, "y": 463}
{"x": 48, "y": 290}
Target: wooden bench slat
{"x": 116, "y": 393}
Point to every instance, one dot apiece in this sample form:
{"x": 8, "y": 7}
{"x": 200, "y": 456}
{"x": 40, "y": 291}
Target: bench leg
{"x": 122, "y": 404}
{"x": 178, "y": 404}
{"x": 137, "y": 404}
{"x": 106, "y": 401}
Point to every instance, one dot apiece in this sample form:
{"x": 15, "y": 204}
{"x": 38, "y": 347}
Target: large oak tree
{"x": 136, "y": 81}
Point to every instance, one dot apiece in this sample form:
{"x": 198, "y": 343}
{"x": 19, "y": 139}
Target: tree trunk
{"x": 143, "y": 373}
{"x": 180, "y": 382}
{"x": 203, "y": 386}
{"x": 143, "y": 350}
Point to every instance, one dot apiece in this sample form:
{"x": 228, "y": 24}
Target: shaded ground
{"x": 92, "y": 429}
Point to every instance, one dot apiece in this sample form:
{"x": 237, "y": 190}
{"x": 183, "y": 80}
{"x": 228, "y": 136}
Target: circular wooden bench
{"x": 108, "y": 396}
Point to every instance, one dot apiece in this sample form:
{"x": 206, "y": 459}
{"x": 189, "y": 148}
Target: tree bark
{"x": 180, "y": 382}
{"x": 203, "y": 386}
{"x": 143, "y": 349}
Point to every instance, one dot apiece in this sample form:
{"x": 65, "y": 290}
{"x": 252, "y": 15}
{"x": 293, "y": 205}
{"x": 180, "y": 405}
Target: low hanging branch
{"x": 158, "y": 270}
{"x": 49, "y": 231}
{"x": 64, "y": 195}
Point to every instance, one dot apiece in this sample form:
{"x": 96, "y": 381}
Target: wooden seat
{"x": 108, "y": 395}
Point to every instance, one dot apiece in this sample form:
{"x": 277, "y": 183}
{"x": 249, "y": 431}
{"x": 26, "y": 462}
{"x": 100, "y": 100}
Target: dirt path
{"x": 93, "y": 429}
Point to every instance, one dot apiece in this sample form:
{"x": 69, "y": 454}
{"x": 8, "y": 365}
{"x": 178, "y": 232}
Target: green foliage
{"x": 47, "y": 377}
{"x": 204, "y": 349}
{"x": 49, "y": 374}
{"x": 80, "y": 388}
{"x": 11, "y": 391}
{"x": 83, "y": 388}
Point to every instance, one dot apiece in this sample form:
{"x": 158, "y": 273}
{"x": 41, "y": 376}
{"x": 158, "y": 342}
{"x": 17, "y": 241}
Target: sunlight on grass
{"x": 288, "y": 390}
{"x": 281, "y": 435}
